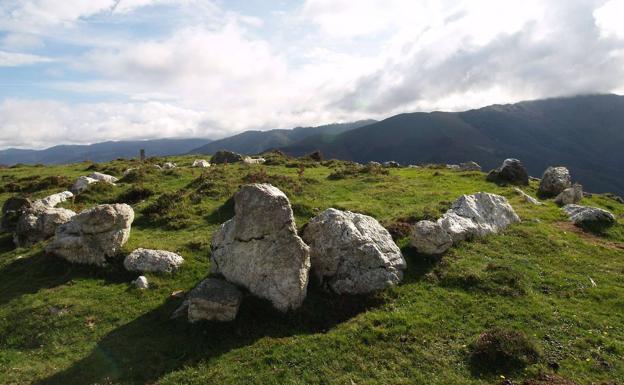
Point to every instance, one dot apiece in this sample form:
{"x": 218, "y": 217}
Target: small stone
{"x": 527, "y": 198}
{"x": 571, "y": 195}
{"x": 153, "y": 261}
{"x": 141, "y": 282}
{"x": 212, "y": 300}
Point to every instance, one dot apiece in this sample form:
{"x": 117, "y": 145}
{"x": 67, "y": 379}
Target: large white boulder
{"x": 259, "y": 248}
{"x": 39, "y": 223}
{"x": 93, "y": 235}
{"x": 153, "y": 261}
{"x": 470, "y": 216}
{"x": 352, "y": 253}
{"x": 554, "y": 181}
{"x": 54, "y": 199}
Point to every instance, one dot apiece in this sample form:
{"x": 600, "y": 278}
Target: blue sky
{"x": 83, "y": 71}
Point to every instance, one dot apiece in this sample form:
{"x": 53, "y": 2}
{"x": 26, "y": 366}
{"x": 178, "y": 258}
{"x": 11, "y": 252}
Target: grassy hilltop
{"x": 69, "y": 324}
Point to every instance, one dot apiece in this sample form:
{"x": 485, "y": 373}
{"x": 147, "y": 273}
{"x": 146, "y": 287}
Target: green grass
{"x": 69, "y": 324}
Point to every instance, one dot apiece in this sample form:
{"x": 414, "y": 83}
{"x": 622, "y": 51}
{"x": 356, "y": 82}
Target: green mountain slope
{"x": 585, "y": 133}
{"x": 558, "y": 286}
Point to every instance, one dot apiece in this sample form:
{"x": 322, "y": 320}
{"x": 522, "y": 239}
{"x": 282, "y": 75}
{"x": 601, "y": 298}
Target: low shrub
{"x": 501, "y": 351}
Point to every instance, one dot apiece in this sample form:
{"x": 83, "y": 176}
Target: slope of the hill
{"x": 99, "y": 152}
{"x": 75, "y": 325}
{"x": 585, "y": 133}
{"x": 254, "y": 142}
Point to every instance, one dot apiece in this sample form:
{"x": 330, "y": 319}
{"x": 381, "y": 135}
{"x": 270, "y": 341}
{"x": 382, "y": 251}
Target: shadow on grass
{"x": 44, "y": 271}
{"x": 153, "y": 345}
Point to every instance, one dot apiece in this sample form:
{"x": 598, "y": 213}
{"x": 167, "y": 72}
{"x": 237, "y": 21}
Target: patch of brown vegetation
{"x": 399, "y": 230}
{"x": 587, "y": 236}
{"x": 548, "y": 379}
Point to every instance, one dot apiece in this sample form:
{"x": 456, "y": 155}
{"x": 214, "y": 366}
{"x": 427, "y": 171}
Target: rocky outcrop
{"x": 571, "y": 195}
{"x": 554, "y": 181}
{"x": 259, "y": 248}
{"x": 12, "y": 209}
{"x": 352, "y": 253}
{"x": 224, "y": 156}
{"x": 512, "y": 171}
{"x": 153, "y": 261}
{"x": 93, "y": 235}
{"x": 212, "y": 300}
{"x": 470, "y": 216}
{"x": 201, "y": 163}
{"x": 98, "y": 176}
{"x": 39, "y": 223}
{"x": 469, "y": 166}
{"x": 527, "y": 198}
{"x": 589, "y": 216}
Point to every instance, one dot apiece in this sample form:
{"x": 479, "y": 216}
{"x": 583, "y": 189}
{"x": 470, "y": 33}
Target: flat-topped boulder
{"x": 512, "y": 171}
{"x": 259, "y": 247}
{"x": 103, "y": 177}
{"x": 470, "y": 216}
{"x": 352, "y": 253}
{"x": 554, "y": 181}
{"x": 224, "y": 156}
{"x": 213, "y": 299}
{"x": 153, "y": 261}
{"x": 589, "y": 216}
{"x": 93, "y": 235}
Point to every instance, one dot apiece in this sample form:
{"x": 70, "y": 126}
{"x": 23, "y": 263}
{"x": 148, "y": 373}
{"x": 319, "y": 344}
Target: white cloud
{"x": 12, "y": 59}
{"x": 609, "y": 19}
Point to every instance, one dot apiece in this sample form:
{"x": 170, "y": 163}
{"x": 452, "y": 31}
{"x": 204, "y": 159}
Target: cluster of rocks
{"x": 259, "y": 249}
{"x": 470, "y": 216}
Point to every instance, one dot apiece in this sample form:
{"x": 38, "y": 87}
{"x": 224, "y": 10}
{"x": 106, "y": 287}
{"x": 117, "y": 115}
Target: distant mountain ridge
{"x": 100, "y": 152}
{"x": 584, "y": 133}
{"x": 254, "y": 142}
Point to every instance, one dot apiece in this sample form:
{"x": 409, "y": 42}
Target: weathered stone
{"x": 352, "y": 253}
{"x": 212, "y": 300}
{"x": 153, "y": 261}
{"x": 81, "y": 184}
{"x": 169, "y": 166}
{"x": 224, "y": 156}
{"x": 391, "y": 164}
{"x": 54, "y": 199}
{"x": 201, "y": 163}
{"x": 259, "y": 248}
{"x": 38, "y": 224}
{"x": 512, "y": 171}
{"x": 141, "y": 282}
{"x": 12, "y": 209}
{"x": 588, "y": 216}
{"x": 571, "y": 195}
{"x": 527, "y": 198}
{"x": 93, "y": 235}
{"x": 554, "y": 181}
{"x": 103, "y": 177}
{"x": 454, "y": 167}
{"x": 374, "y": 164}
{"x": 250, "y": 160}
{"x": 470, "y": 216}
{"x": 469, "y": 166}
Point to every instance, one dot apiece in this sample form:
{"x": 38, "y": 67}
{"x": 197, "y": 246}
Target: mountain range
{"x": 584, "y": 133}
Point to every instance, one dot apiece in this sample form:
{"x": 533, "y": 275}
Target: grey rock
{"x": 585, "y": 215}
{"x": 224, "y": 156}
{"x": 470, "y": 216}
{"x": 391, "y": 164}
{"x": 93, "y": 235}
{"x": 352, "y": 253}
{"x": 469, "y": 166}
{"x": 169, "y": 166}
{"x": 39, "y": 223}
{"x": 250, "y": 160}
{"x": 454, "y": 167}
{"x": 259, "y": 248}
{"x": 54, "y": 199}
{"x": 430, "y": 238}
{"x": 374, "y": 164}
{"x": 512, "y": 171}
{"x": 571, "y": 195}
{"x": 527, "y": 198}
{"x": 103, "y": 177}
{"x": 82, "y": 183}
{"x": 154, "y": 261}
{"x": 12, "y": 209}
{"x": 554, "y": 181}
{"x": 141, "y": 282}
{"x": 212, "y": 299}
{"x": 201, "y": 163}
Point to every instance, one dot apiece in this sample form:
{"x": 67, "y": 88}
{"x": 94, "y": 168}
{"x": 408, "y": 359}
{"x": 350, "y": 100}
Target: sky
{"x": 85, "y": 71}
